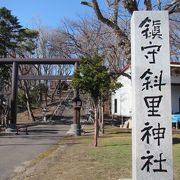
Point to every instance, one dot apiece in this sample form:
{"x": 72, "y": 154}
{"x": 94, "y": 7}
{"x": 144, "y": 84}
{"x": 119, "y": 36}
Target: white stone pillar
{"x": 151, "y": 115}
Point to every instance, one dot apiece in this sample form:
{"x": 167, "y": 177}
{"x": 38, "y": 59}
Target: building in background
{"x": 122, "y": 99}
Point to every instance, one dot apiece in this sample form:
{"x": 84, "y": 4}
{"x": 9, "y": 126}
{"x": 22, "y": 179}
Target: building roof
{"x": 175, "y": 68}
{"x": 175, "y": 64}
{"x": 125, "y": 68}
{"x": 172, "y": 65}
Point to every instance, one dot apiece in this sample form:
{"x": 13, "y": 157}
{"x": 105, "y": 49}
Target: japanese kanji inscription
{"x": 151, "y": 116}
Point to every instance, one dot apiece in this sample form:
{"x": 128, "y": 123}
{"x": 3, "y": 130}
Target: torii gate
{"x": 15, "y": 77}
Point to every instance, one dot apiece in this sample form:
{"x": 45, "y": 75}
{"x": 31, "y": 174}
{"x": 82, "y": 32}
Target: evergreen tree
{"x": 94, "y": 79}
{"x": 9, "y": 32}
{"x": 14, "y": 40}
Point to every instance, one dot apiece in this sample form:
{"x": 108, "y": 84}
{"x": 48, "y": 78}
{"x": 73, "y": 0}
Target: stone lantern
{"x": 76, "y": 126}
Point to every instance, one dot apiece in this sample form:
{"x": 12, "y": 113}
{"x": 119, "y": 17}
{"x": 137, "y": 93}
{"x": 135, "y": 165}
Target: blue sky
{"x": 48, "y": 12}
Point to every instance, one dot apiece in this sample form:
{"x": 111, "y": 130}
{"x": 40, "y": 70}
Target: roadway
{"x": 18, "y": 150}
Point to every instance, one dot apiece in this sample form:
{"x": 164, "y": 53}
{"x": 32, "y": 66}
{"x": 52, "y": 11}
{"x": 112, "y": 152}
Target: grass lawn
{"x": 75, "y": 158}
{"x": 176, "y": 155}
{"x": 112, "y": 158}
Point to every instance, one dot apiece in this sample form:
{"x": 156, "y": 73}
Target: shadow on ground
{"x": 176, "y": 140}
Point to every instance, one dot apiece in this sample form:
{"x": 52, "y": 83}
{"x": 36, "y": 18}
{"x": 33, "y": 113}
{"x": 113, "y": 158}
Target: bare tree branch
{"x": 130, "y": 5}
{"x": 148, "y": 4}
{"x": 159, "y": 4}
{"x": 87, "y": 3}
{"x": 106, "y": 21}
{"x": 116, "y": 8}
{"x": 173, "y": 7}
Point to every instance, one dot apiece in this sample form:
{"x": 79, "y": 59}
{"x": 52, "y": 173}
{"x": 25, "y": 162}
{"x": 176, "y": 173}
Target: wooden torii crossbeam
{"x": 38, "y": 61}
{"x": 15, "y": 63}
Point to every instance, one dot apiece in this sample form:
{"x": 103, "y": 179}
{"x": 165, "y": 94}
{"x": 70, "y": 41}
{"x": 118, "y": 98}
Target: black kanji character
{"x": 158, "y": 81}
{"x": 158, "y": 133}
{"x": 146, "y": 131}
{"x": 146, "y": 75}
{"x": 152, "y": 103}
{"x": 146, "y": 23}
{"x": 160, "y": 169}
{"x": 148, "y": 161}
{"x": 153, "y": 50}
{"x": 148, "y": 83}
{"x": 156, "y": 32}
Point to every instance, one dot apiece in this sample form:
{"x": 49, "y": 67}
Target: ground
{"x": 18, "y": 150}
{"x": 75, "y": 158}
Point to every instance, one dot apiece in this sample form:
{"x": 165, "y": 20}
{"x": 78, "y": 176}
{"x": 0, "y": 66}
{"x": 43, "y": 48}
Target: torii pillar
{"x": 13, "y": 113}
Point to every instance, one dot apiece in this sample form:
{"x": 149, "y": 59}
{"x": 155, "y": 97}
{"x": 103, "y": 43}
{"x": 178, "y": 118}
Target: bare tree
{"x": 89, "y": 36}
{"x": 175, "y": 37}
{"x": 53, "y": 43}
{"x": 113, "y": 20}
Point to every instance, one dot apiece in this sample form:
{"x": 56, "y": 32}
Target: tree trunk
{"x": 46, "y": 93}
{"x": 55, "y": 90}
{"x": 28, "y": 105}
{"x": 102, "y": 119}
{"x": 96, "y": 127}
{"x": 28, "y": 102}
